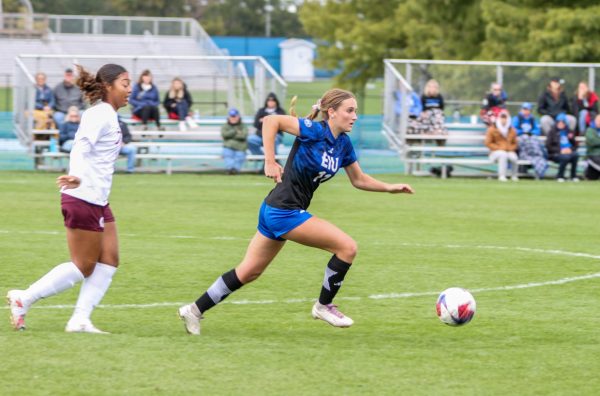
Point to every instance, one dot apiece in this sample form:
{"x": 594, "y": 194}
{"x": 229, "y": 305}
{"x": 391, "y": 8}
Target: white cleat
{"x": 85, "y": 326}
{"x": 191, "y": 123}
{"x": 330, "y": 314}
{"x": 18, "y": 309}
{"x": 190, "y": 314}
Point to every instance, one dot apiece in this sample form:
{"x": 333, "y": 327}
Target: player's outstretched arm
{"x": 271, "y": 125}
{"x": 362, "y": 181}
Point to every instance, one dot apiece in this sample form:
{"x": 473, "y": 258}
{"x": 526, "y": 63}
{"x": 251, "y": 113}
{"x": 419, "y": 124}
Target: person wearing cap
{"x": 66, "y": 94}
{"x": 562, "y": 148}
{"x": 592, "y": 144}
{"x": 524, "y": 122}
{"x": 272, "y": 106}
{"x": 501, "y": 139}
{"x": 234, "y": 134}
{"x": 552, "y": 102}
{"x": 585, "y": 106}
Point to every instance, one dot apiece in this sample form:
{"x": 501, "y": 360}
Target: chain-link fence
{"x": 465, "y": 84}
{"x": 215, "y": 82}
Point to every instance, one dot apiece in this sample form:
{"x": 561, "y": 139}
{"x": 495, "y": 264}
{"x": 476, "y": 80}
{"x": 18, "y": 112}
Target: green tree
{"x": 558, "y": 31}
{"x": 157, "y": 8}
{"x": 72, "y": 7}
{"x": 352, "y": 34}
{"x": 365, "y": 32}
{"x": 248, "y": 18}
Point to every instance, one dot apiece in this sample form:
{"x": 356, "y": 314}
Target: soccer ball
{"x": 455, "y": 306}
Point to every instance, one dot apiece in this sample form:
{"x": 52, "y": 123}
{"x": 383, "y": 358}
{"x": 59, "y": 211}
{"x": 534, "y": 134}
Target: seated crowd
{"x": 518, "y": 139}
{"x": 60, "y": 108}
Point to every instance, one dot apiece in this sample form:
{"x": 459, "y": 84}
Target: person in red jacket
{"x": 584, "y": 106}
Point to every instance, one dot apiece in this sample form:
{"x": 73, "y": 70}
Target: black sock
{"x": 218, "y": 291}
{"x": 334, "y": 277}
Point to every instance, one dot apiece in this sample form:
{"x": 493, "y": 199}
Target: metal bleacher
{"x": 169, "y": 47}
{"x": 463, "y": 85}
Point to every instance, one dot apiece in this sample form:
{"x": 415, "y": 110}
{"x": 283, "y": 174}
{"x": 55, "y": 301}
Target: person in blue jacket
{"x": 145, "y": 100}
{"x": 525, "y": 122}
{"x": 68, "y": 129}
{"x": 415, "y": 107}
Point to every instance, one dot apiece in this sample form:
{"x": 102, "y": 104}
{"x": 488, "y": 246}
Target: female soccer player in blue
{"x": 321, "y": 148}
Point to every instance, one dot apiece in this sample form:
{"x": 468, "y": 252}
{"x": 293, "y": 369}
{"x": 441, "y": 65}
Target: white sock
{"x": 60, "y": 278}
{"x": 92, "y": 290}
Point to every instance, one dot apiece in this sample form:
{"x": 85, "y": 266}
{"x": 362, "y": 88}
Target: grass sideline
{"x": 179, "y": 233}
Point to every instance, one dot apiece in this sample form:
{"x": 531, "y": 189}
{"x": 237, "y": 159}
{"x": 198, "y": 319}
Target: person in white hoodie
{"x": 91, "y": 230}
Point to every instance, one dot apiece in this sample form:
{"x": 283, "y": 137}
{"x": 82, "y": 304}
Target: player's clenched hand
{"x": 400, "y": 188}
{"x": 68, "y": 181}
{"x": 274, "y": 171}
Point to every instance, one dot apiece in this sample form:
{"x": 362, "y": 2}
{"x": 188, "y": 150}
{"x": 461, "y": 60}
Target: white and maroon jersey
{"x": 95, "y": 150}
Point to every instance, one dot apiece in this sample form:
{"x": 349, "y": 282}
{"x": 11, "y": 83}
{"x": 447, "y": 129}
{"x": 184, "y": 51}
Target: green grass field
{"x": 179, "y": 233}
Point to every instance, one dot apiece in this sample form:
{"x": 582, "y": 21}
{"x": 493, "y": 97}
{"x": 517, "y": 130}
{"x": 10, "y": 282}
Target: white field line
{"x": 529, "y": 285}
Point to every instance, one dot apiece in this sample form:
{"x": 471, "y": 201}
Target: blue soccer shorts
{"x": 274, "y": 222}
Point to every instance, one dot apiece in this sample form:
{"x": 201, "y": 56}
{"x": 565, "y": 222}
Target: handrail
{"x": 490, "y": 63}
{"x": 24, "y": 70}
{"x": 397, "y": 75}
{"x": 158, "y": 57}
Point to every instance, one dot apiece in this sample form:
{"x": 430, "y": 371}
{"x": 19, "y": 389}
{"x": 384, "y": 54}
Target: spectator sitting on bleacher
{"x": 178, "y": 103}
{"x": 552, "y": 103}
{"x": 127, "y": 148}
{"x": 234, "y": 134}
{"x": 431, "y": 120}
{"x": 493, "y": 103}
{"x": 501, "y": 139}
{"x": 415, "y": 107}
{"x": 71, "y": 125}
{"x": 562, "y": 148}
{"x": 592, "y": 143}
{"x": 145, "y": 99}
{"x": 524, "y": 122}
{"x": 44, "y": 101}
{"x": 530, "y": 146}
{"x": 68, "y": 129}
{"x": 272, "y": 106}
{"x": 585, "y": 106}
{"x": 66, "y": 94}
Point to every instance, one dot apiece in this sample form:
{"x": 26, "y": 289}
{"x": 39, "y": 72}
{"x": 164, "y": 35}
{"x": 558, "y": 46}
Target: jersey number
{"x": 322, "y": 177}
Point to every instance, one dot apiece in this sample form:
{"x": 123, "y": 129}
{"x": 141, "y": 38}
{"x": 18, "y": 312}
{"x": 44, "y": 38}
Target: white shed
{"x": 297, "y": 60}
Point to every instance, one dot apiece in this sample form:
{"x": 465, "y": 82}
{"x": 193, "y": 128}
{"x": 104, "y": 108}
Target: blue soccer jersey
{"x": 316, "y": 156}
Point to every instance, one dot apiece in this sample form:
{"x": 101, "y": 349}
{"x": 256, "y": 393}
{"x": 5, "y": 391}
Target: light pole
{"x": 268, "y": 9}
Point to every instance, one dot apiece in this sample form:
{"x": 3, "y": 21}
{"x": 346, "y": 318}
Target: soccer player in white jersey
{"x": 91, "y": 230}
{"x": 320, "y": 149}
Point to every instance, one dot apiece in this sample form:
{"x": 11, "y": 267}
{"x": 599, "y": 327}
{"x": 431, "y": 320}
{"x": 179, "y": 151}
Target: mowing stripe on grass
{"x": 529, "y": 285}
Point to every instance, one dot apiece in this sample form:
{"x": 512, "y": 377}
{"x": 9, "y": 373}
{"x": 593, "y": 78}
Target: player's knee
{"x": 348, "y": 250}
{"x": 86, "y": 267}
{"x": 249, "y": 276}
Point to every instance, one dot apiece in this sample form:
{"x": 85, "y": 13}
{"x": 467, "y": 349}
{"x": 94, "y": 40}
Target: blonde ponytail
{"x": 293, "y": 106}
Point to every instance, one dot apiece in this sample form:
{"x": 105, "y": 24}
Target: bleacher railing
{"x": 44, "y": 24}
{"x": 211, "y": 79}
{"x": 464, "y": 84}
